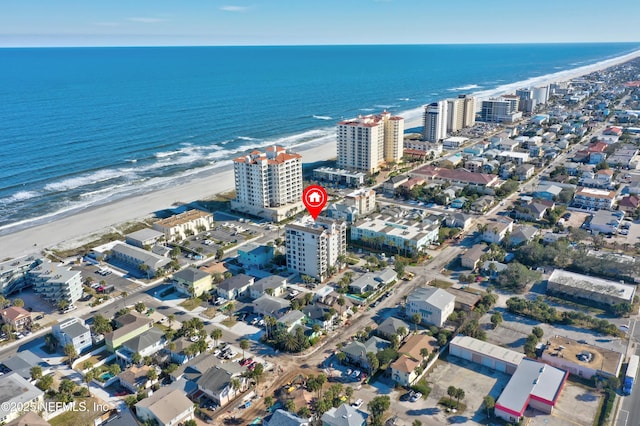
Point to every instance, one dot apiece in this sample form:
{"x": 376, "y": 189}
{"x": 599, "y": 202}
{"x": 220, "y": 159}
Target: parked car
{"x": 357, "y": 403}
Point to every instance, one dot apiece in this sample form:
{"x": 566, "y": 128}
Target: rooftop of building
{"x": 592, "y": 284}
{"x": 488, "y": 349}
{"x": 460, "y": 175}
{"x": 166, "y": 404}
{"x": 15, "y": 390}
{"x": 190, "y": 274}
{"x": 145, "y": 234}
{"x": 583, "y": 354}
{"x": 182, "y": 218}
{"x": 73, "y": 327}
{"x": 596, "y": 193}
{"x": 406, "y": 228}
{"x": 531, "y": 380}
{"x": 433, "y": 296}
{"x": 235, "y": 282}
{"x": 13, "y": 313}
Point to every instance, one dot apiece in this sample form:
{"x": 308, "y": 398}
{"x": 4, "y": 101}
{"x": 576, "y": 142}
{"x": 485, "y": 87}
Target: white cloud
{"x": 146, "y": 20}
{"x": 234, "y": 8}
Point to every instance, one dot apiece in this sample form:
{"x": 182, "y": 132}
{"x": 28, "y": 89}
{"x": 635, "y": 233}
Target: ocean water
{"x": 85, "y": 126}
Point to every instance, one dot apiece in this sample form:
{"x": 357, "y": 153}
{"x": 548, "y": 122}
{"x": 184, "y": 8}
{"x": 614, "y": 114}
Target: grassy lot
{"x": 191, "y": 304}
{"x": 441, "y": 283}
{"x": 210, "y": 312}
{"x": 80, "y": 416}
{"x": 229, "y": 322}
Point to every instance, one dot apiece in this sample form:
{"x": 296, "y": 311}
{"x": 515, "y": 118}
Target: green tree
{"x": 131, "y": 400}
{"x": 190, "y": 422}
{"x": 377, "y": 406}
{"x": 268, "y": 401}
{"x": 459, "y": 395}
{"x": 114, "y": 369}
{"x": 373, "y": 362}
{"x": 71, "y": 353}
{"x": 18, "y": 303}
{"x": 36, "y": 372}
{"x": 416, "y": 319}
{"x": 140, "y": 307}
{"x": 219, "y": 253}
{"x": 66, "y": 386}
{"x": 136, "y": 358}
{"x": 416, "y": 423}
{"x": 152, "y": 374}
{"x": 45, "y": 383}
{"x": 451, "y": 391}
{"x": 496, "y": 319}
{"x": 538, "y": 332}
{"x": 341, "y": 356}
{"x": 489, "y": 404}
{"x": 348, "y": 392}
{"x": 244, "y": 345}
{"x": 101, "y": 325}
{"x": 290, "y": 406}
{"x": 216, "y": 335}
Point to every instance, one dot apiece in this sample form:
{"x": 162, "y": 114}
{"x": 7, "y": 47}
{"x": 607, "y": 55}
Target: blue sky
{"x": 295, "y": 22}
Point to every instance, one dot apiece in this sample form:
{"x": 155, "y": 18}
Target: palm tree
{"x": 244, "y": 345}
{"x": 459, "y": 395}
{"x": 424, "y": 352}
{"x": 235, "y": 385}
{"x": 417, "y": 319}
{"x": 171, "y": 318}
{"x": 341, "y": 302}
{"x": 451, "y": 391}
{"x": 50, "y": 341}
{"x": 91, "y": 374}
{"x": 216, "y": 334}
{"x": 341, "y": 356}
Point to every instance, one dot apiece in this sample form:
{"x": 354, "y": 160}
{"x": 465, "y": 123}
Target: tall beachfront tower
{"x": 469, "y": 115}
{"x": 313, "y": 247}
{"x": 366, "y": 142}
{"x": 455, "y": 115}
{"x": 267, "y": 180}
{"x": 435, "y": 121}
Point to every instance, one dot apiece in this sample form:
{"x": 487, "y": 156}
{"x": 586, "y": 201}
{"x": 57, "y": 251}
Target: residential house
{"x": 270, "y": 305}
{"x": 235, "y": 287}
{"x": 320, "y": 315}
{"x": 344, "y": 415}
{"x": 17, "y": 317}
{"x": 343, "y": 212}
{"x": 364, "y": 284}
{"x": 470, "y": 258}
{"x": 629, "y": 204}
{"x": 547, "y": 191}
{"x": 393, "y": 183}
{"x": 532, "y": 212}
{"x": 466, "y": 300}
{"x": 461, "y": 177}
{"x": 22, "y": 363}
{"x": 273, "y": 285}
{"x": 459, "y": 220}
{"x": 255, "y": 255}
{"x": 482, "y": 204}
{"x": 433, "y": 304}
{"x": 492, "y": 268}
{"x": 522, "y": 234}
{"x": 136, "y": 377}
{"x": 356, "y": 352}
{"x": 525, "y": 171}
{"x": 128, "y": 326}
{"x": 403, "y": 370}
{"x": 178, "y": 353}
{"x": 16, "y": 391}
{"x": 496, "y": 231}
{"x": 192, "y": 281}
{"x": 216, "y": 384}
{"x": 291, "y": 319}
{"x": 390, "y": 326}
{"x": 458, "y": 203}
{"x": 73, "y": 331}
{"x": 281, "y": 417}
{"x": 166, "y": 406}
{"x": 386, "y": 276}
{"x": 148, "y": 343}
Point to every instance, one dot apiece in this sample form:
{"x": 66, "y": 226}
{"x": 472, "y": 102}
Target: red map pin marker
{"x": 314, "y": 197}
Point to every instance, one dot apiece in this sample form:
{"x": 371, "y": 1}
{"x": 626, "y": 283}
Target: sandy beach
{"x": 85, "y": 226}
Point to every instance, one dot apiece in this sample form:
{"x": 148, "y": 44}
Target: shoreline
{"x": 74, "y": 228}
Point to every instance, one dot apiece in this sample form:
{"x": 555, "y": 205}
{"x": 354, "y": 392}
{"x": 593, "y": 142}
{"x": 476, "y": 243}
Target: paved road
{"x": 629, "y": 414}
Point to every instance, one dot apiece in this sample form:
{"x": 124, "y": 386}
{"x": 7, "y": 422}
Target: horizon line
{"x": 72, "y": 46}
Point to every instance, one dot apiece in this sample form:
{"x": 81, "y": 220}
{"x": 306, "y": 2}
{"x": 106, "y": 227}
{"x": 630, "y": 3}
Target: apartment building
{"x": 593, "y": 198}
{"x": 314, "y": 247}
{"x": 268, "y": 182}
{"x": 13, "y": 274}
{"x": 178, "y": 227}
{"x": 365, "y": 143}
{"x": 501, "y": 110}
{"x": 435, "y": 121}
{"x": 363, "y": 199}
{"x": 55, "y": 283}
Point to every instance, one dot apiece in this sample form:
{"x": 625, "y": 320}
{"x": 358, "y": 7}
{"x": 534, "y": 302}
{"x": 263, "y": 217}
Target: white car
{"x": 357, "y": 404}
{"x": 416, "y": 396}
{"x": 194, "y": 338}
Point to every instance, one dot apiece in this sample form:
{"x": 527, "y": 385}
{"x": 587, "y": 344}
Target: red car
{"x": 121, "y": 393}
{"x": 252, "y": 366}
{"x": 246, "y": 362}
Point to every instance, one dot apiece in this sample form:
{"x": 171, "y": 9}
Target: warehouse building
{"x": 581, "y": 359}
{"x": 486, "y": 354}
{"x": 534, "y": 385}
{"x": 577, "y": 286}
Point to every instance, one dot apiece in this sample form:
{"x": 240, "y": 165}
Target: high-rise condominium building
{"x": 267, "y": 180}
{"x": 314, "y": 247}
{"x": 455, "y": 114}
{"x": 469, "y": 119}
{"x": 435, "y": 121}
{"x": 501, "y": 110}
{"x": 365, "y": 143}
